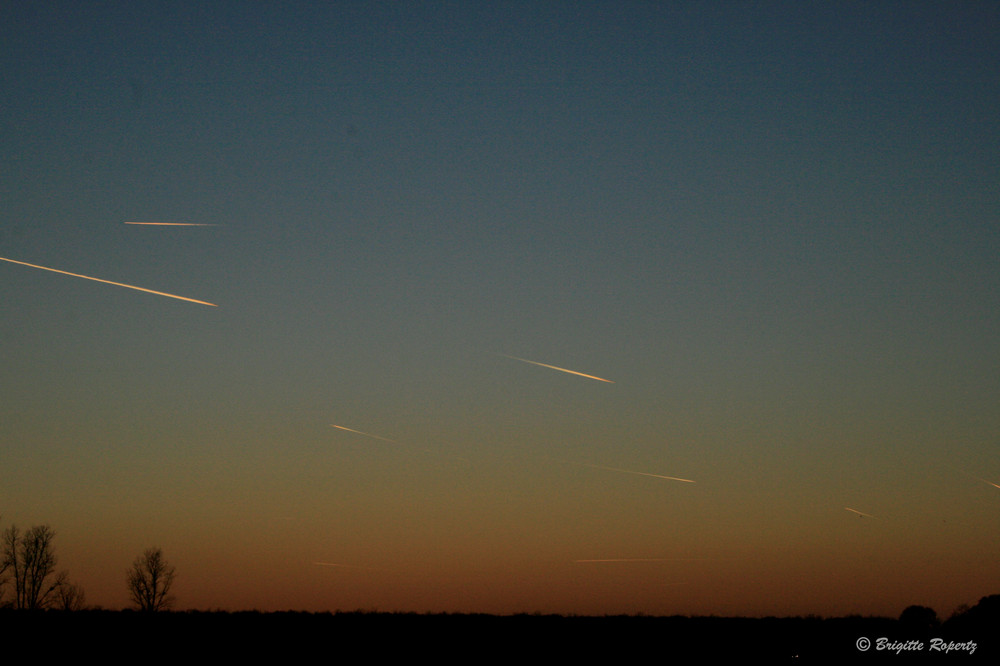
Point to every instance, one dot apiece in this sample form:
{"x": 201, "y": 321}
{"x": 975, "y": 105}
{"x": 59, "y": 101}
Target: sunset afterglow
{"x": 706, "y": 289}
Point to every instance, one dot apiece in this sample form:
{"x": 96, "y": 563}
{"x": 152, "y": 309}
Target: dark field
{"x": 353, "y": 636}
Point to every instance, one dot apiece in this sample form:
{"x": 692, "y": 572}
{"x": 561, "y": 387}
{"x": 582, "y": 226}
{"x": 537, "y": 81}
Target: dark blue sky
{"x": 772, "y": 225}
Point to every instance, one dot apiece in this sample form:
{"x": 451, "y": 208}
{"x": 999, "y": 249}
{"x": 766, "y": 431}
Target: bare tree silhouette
{"x": 70, "y": 597}
{"x": 149, "y": 581}
{"x": 4, "y": 566}
{"x": 31, "y": 562}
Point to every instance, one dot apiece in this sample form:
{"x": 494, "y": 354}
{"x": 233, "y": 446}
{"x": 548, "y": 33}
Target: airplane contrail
{"x": 641, "y": 559}
{"x": 629, "y": 471}
{"x": 117, "y": 284}
{"x": 366, "y": 434}
{"x": 977, "y": 478}
{"x": 403, "y": 444}
{"x": 171, "y": 224}
{"x": 345, "y": 566}
{"x": 861, "y": 513}
{"x": 556, "y": 367}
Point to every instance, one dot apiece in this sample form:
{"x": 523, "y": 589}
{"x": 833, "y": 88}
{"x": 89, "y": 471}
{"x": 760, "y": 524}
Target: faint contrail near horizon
{"x": 556, "y": 367}
{"x": 171, "y": 224}
{"x": 366, "y": 434}
{"x": 861, "y": 513}
{"x": 345, "y": 566}
{"x": 629, "y": 471}
{"x": 978, "y": 478}
{"x": 405, "y": 445}
{"x": 117, "y": 284}
{"x": 640, "y": 559}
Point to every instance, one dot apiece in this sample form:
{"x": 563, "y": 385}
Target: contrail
{"x": 555, "y": 367}
{"x": 345, "y": 566}
{"x": 861, "y": 513}
{"x": 171, "y": 224}
{"x": 641, "y": 559}
{"x": 366, "y": 434}
{"x": 979, "y": 478}
{"x": 629, "y": 471}
{"x": 117, "y": 284}
{"x": 403, "y": 444}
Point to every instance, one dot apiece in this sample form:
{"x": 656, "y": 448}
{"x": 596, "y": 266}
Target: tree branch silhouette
{"x": 149, "y": 581}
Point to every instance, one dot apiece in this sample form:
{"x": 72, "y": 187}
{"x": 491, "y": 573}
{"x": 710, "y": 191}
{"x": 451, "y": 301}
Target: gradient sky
{"x": 774, "y": 226}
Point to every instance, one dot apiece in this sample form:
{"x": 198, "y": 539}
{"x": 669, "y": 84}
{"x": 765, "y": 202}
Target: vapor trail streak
{"x": 629, "y": 471}
{"x": 555, "y": 367}
{"x": 366, "y": 434}
{"x": 405, "y": 445}
{"x": 979, "y": 479}
{"x": 170, "y": 224}
{"x": 345, "y": 566}
{"x": 638, "y": 559}
{"x": 117, "y": 284}
{"x": 860, "y": 513}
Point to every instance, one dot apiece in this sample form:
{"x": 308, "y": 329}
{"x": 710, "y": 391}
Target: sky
{"x": 771, "y": 228}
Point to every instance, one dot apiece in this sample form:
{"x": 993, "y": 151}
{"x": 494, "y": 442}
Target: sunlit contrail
{"x": 629, "y": 471}
{"x": 117, "y": 284}
{"x": 171, "y": 224}
{"x": 640, "y": 559}
{"x": 860, "y": 513}
{"x": 403, "y": 444}
{"x": 366, "y": 434}
{"x": 345, "y": 566}
{"x": 555, "y": 367}
{"x": 977, "y": 478}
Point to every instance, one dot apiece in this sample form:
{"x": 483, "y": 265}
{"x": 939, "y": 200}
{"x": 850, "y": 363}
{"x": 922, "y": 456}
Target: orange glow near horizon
{"x": 784, "y": 254}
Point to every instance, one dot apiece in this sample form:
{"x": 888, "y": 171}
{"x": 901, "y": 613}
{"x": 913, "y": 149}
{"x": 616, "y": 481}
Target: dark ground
{"x": 116, "y": 636}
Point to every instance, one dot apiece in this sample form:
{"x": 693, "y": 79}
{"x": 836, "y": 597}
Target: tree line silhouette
{"x": 35, "y": 598}
{"x": 28, "y": 569}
